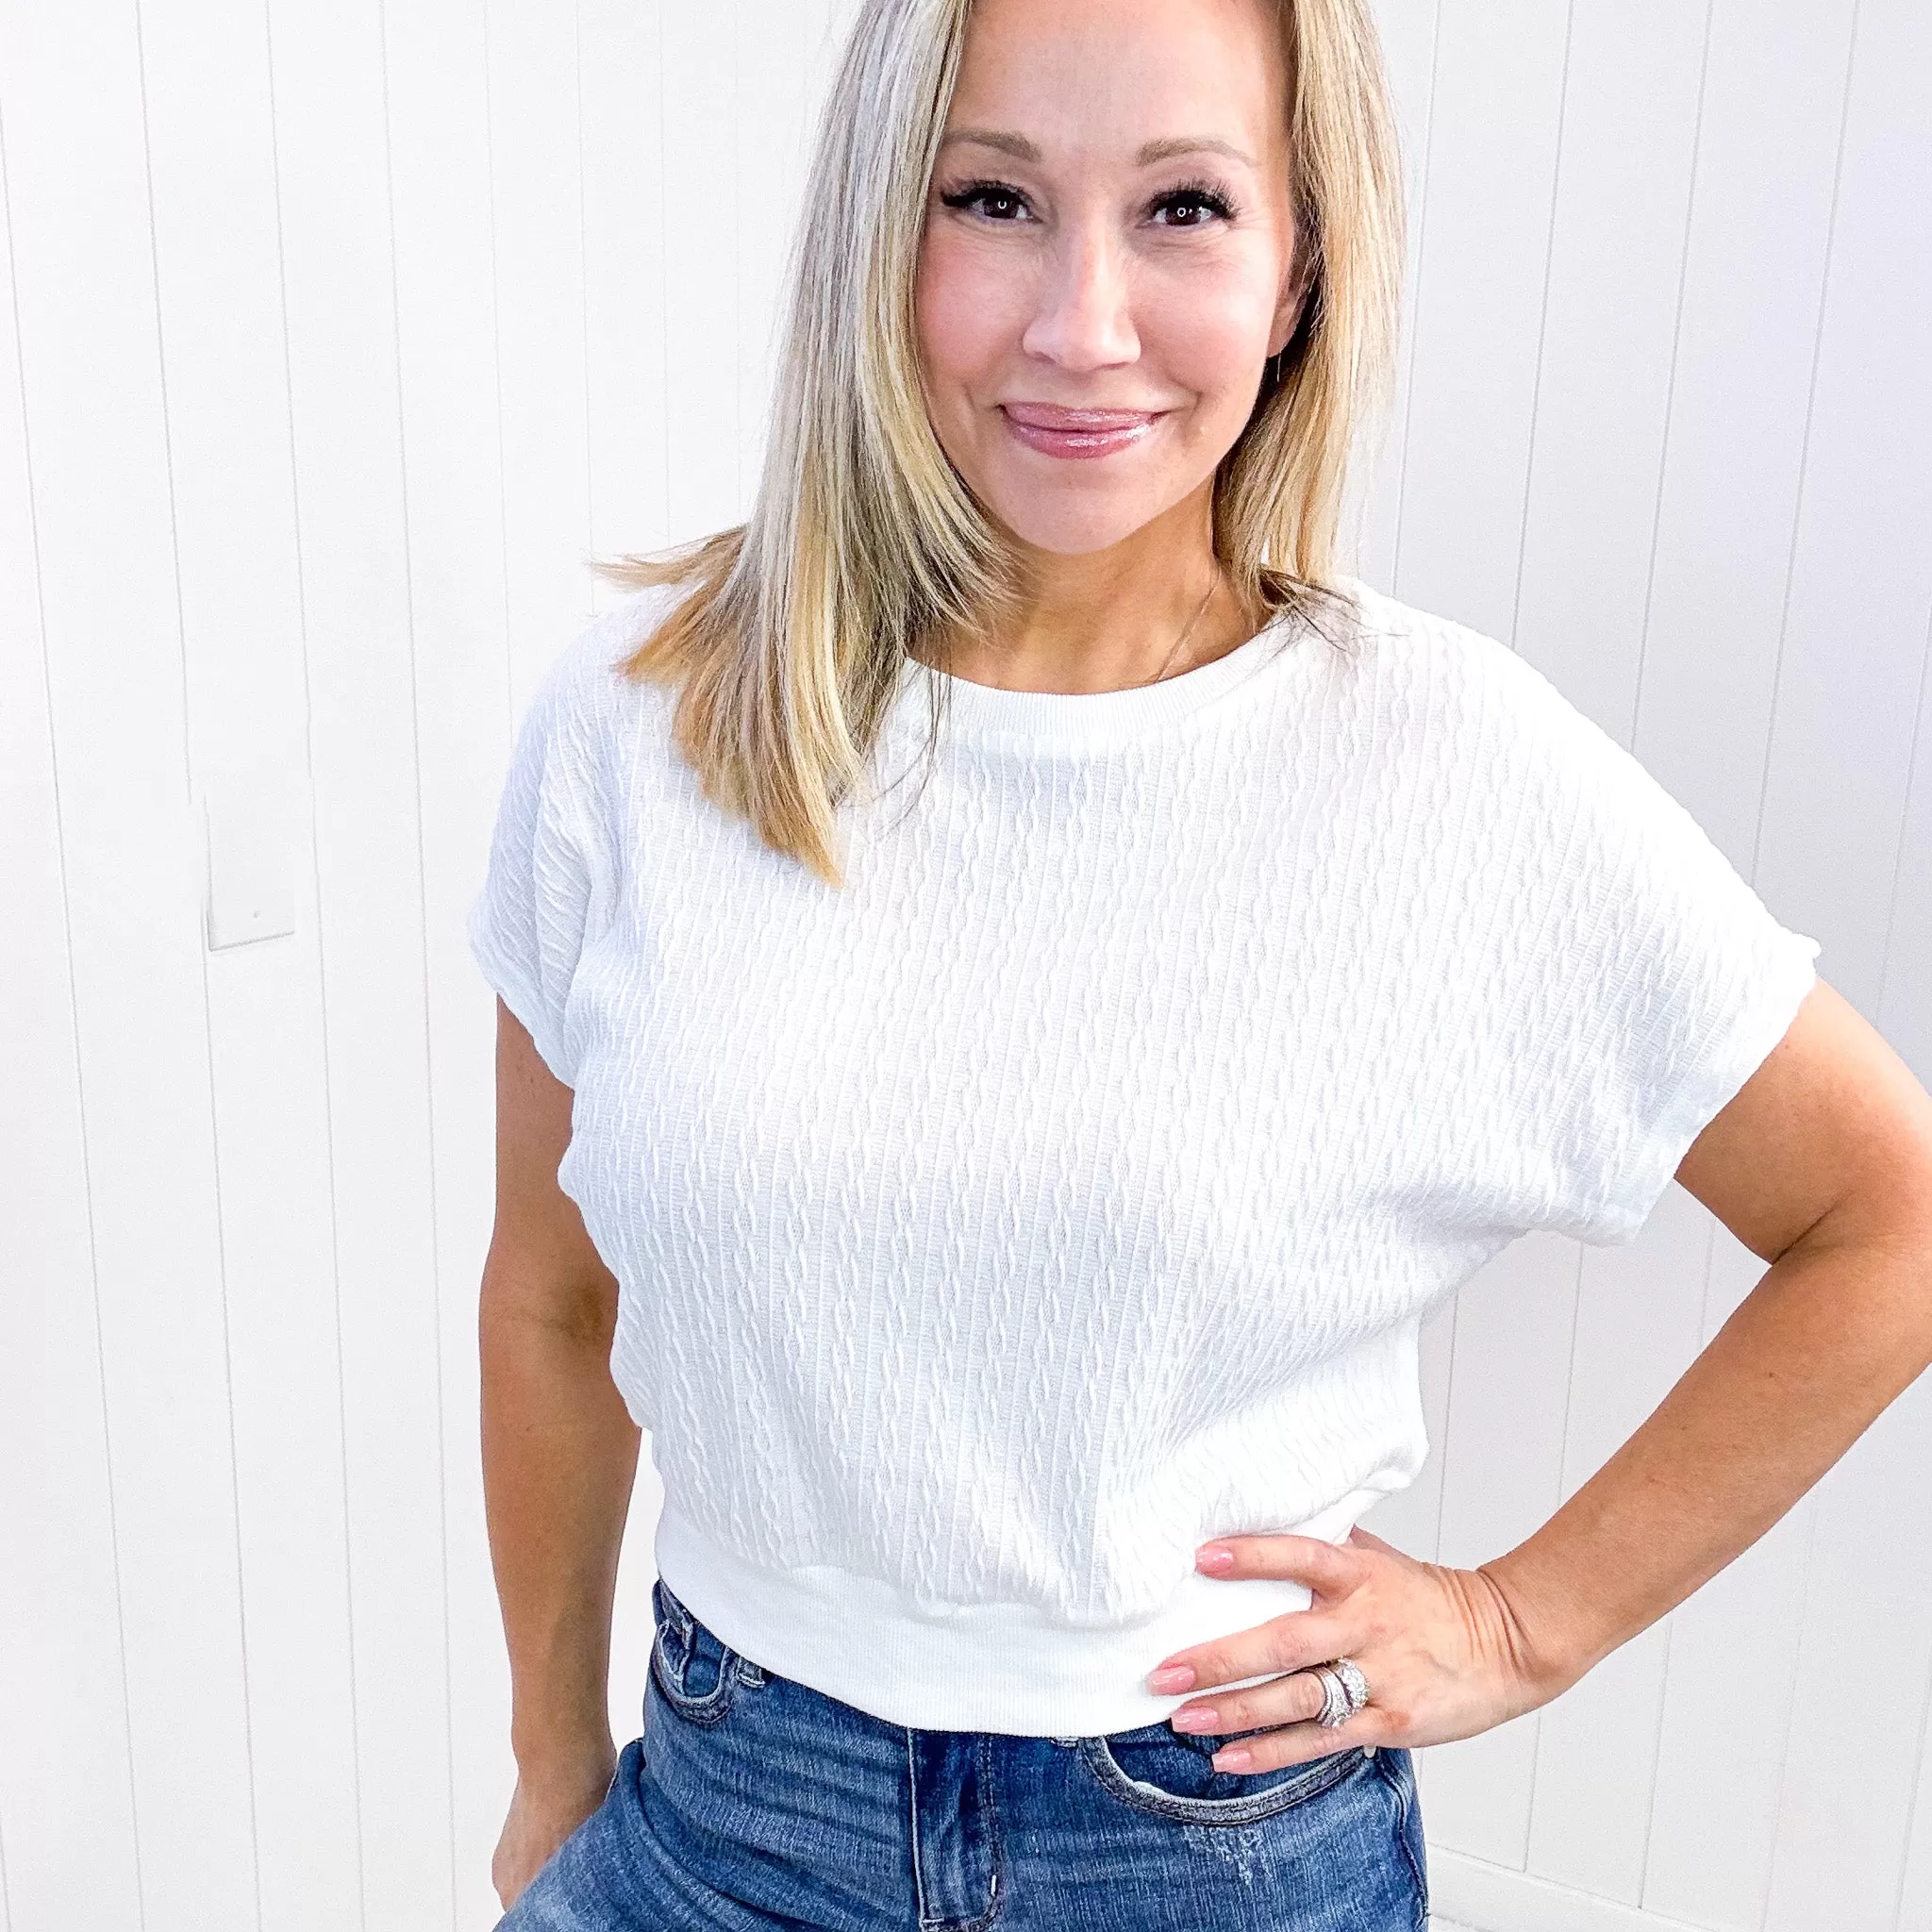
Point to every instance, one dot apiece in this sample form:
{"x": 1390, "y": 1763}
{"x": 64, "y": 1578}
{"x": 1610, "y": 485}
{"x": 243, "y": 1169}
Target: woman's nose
{"x": 1084, "y": 318}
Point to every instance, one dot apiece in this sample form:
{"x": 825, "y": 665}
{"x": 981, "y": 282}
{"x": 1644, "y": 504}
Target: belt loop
{"x": 679, "y": 1617}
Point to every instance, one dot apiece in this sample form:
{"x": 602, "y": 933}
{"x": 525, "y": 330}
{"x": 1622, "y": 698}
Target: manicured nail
{"x": 1173, "y": 1677}
{"x": 1214, "y": 1556}
{"x": 1193, "y": 1720}
{"x": 1233, "y": 1759}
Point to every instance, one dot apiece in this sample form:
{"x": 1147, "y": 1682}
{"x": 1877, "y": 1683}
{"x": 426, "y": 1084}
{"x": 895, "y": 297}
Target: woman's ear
{"x": 1294, "y": 295}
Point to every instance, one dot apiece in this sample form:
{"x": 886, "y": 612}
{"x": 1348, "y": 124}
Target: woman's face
{"x": 1108, "y": 231}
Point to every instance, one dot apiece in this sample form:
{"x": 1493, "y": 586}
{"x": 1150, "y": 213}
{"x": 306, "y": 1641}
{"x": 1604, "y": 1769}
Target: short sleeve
{"x": 546, "y": 876}
{"x": 1655, "y": 980}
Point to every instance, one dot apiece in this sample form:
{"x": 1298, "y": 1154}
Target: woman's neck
{"x": 1106, "y": 622}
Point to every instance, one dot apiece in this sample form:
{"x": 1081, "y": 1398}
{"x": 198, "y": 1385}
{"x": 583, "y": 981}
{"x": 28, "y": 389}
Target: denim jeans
{"x": 752, "y": 1801}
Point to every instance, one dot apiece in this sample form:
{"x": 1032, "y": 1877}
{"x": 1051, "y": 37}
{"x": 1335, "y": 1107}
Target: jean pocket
{"x": 696, "y": 1673}
{"x": 1166, "y": 1773}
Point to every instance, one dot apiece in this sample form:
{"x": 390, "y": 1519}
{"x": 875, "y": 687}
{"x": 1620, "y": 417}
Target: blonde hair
{"x": 864, "y": 545}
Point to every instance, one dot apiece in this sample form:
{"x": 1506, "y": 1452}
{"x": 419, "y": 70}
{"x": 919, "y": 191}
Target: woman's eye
{"x": 1193, "y": 202}
{"x": 985, "y": 192}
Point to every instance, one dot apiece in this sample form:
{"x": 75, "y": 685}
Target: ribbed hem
{"x": 987, "y": 714}
{"x": 980, "y": 1667}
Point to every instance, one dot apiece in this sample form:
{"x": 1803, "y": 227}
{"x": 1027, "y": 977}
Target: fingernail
{"x": 1235, "y": 1759}
{"x": 1214, "y": 1556}
{"x": 1193, "y": 1720}
{"x": 1173, "y": 1677}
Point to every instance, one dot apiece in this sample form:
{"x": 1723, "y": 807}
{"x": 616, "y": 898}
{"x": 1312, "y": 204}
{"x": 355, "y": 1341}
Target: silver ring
{"x": 1334, "y": 1698}
{"x": 1352, "y": 1680}
{"x": 1345, "y": 1690}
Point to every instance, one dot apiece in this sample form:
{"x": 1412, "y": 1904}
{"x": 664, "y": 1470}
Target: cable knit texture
{"x": 1070, "y": 1187}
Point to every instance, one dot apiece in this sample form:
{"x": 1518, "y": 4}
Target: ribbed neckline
{"x": 989, "y": 715}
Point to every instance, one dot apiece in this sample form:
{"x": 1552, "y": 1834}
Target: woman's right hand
{"x": 543, "y": 1811}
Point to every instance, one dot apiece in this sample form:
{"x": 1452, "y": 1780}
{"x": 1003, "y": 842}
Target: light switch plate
{"x": 250, "y": 824}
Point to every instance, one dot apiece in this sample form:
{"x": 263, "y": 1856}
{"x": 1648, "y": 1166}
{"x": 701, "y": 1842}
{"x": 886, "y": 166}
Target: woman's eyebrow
{"x": 1191, "y": 144}
{"x": 1022, "y": 149}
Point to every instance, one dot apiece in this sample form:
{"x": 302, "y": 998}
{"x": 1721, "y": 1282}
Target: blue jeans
{"x": 752, "y": 1801}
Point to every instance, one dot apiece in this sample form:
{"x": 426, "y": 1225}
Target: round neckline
{"x": 991, "y": 713}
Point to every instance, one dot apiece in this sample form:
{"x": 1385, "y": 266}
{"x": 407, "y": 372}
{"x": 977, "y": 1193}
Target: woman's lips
{"x": 1057, "y": 432}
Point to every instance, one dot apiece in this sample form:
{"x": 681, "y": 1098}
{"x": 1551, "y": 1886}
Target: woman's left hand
{"x": 1443, "y": 1650}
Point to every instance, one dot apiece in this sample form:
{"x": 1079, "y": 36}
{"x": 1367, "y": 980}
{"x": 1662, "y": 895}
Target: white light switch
{"x": 251, "y": 824}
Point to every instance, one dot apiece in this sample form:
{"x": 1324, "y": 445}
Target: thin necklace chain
{"x": 1187, "y": 631}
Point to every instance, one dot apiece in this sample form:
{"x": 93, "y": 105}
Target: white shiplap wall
{"x": 336, "y": 337}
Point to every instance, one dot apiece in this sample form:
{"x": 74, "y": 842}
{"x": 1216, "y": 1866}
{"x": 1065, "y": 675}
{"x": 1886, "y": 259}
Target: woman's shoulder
{"x": 583, "y": 715}
{"x": 1467, "y": 672}
{"x": 1407, "y": 634}
{"x": 1491, "y": 727}
{"x": 588, "y": 673}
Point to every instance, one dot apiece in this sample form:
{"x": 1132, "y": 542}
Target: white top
{"x": 1069, "y": 1187}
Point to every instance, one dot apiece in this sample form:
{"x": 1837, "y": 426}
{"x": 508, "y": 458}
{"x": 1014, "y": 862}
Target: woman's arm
{"x": 560, "y": 1457}
{"x": 1823, "y": 1165}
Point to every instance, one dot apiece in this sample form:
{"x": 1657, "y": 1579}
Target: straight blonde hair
{"x": 864, "y": 546}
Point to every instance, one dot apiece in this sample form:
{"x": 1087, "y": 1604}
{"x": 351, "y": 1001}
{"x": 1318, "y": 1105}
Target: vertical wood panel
{"x": 218, "y": 253}
{"x": 1494, "y": 130}
{"x": 769, "y": 60}
{"x": 1410, "y": 33}
{"x": 1754, "y": 275}
{"x": 84, "y": 263}
{"x": 1760, "y": 209}
{"x": 337, "y": 251}
{"x": 64, "y": 1732}
{"x": 1915, "y": 1880}
{"x": 1604, "y": 351}
{"x": 537, "y": 188}
{"x": 628, "y": 203}
{"x": 699, "y": 97}
{"x": 435, "y": 60}
{"x": 1616, "y": 249}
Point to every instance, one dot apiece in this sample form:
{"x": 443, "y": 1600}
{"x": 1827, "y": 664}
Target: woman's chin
{"x": 1050, "y": 527}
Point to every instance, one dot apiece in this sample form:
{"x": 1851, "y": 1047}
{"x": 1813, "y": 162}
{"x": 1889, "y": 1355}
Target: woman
{"x": 1009, "y": 1200}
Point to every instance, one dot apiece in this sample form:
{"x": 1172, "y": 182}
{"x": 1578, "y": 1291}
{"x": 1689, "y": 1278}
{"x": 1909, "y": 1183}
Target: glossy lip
{"x": 1052, "y": 416}
{"x": 1062, "y": 432}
